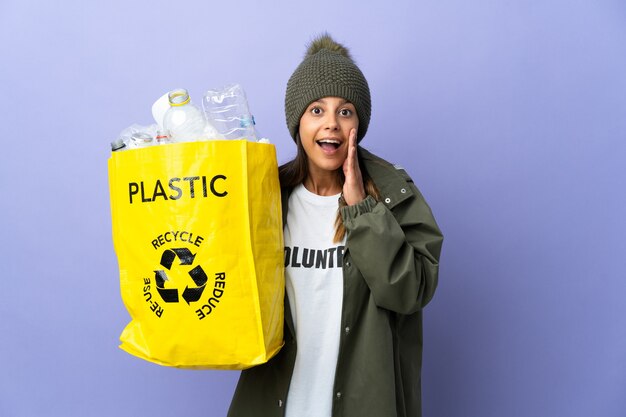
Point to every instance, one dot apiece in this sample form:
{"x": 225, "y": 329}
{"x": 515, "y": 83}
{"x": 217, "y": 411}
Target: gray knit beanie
{"x": 327, "y": 70}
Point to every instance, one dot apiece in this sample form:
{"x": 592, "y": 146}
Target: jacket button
{"x": 338, "y": 395}
{"x": 347, "y": 329}
{"x": 348, "y": 263}
{"x": 403, "y": 191}
{"x": 387, "y": 200}
{"x": 280, "y": 403}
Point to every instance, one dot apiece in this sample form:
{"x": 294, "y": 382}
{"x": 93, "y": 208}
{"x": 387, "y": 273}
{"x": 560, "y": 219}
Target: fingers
{"x": 352, "y": 150}
{"x": 353, "y": 190}
{"x": 352, "y": 139}
{"x": 354, "y": 160}
{"x": 348, "y": 165}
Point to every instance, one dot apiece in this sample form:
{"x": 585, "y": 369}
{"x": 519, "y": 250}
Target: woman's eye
{"x": 316, "y": 110}
{"x": 345, "y": 112}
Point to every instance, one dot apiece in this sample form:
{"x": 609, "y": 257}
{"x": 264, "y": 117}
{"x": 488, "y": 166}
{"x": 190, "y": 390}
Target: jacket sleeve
{"x": 396, "y": 250}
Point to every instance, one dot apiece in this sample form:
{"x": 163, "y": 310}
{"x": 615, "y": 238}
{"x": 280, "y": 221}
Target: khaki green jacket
{"x": 390, "y": 269}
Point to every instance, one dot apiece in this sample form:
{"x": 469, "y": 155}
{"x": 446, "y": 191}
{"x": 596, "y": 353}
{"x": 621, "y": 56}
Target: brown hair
{"x": 294, "y": 172}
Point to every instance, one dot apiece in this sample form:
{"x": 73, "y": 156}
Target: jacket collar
{"x": 392, "y": 180}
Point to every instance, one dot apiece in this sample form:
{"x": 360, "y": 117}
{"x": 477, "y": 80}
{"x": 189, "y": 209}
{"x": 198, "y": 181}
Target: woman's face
{"x": 324, "y": 131}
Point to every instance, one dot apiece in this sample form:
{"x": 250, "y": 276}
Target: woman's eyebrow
{"x": 323, "y": 101}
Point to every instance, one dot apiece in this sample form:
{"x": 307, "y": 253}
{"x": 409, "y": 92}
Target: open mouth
{"x": 329, "y": 144}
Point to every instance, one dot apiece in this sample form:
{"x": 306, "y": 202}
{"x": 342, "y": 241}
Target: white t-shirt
{"x": 314, "y": 284}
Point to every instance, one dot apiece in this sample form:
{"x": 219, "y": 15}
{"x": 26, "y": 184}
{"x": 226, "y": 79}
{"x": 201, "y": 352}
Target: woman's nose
{"x": 331, "y": 122}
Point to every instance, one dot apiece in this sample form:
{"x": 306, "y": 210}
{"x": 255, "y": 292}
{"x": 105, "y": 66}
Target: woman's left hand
{"x": 353, "y": 191}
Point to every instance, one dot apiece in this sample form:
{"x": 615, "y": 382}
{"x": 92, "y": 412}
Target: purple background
{"x": 511, "y": 117}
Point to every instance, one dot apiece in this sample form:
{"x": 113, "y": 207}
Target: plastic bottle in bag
{"x": 227, "y": 110}
{"x": 134, "y": 136}
{"x": 183, "y": 119}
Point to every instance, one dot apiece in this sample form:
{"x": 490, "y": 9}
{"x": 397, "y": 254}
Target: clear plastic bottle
{"x": 135, "y": 136}
{"x": 185, "y": 121}
{"x": 227, "y": 110}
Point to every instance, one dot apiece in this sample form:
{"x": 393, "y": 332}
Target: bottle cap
{"x": 162, "y": 135}
{"x": 141, "y": 138}
{"x": 178, "y": 97}
{"x": 117, "y": 144}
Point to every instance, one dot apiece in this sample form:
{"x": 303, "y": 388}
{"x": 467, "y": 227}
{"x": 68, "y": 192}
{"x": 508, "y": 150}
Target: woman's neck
{"x": 324, "y": 183}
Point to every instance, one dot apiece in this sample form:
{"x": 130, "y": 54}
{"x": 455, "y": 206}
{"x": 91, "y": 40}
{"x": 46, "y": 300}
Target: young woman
{"x": 361, "y": 261}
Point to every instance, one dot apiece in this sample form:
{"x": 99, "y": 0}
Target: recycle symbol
{"x": 170, "y": 295}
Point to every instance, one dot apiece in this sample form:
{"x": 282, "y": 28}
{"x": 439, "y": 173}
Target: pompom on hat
{"x": 327, "y": 71}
